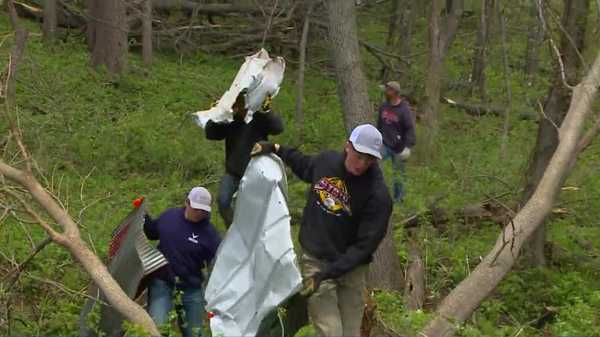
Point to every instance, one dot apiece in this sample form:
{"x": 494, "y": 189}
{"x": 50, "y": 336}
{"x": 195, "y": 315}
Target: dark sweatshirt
{"x": 187, "y": 246}
{"x": 240, "y": 138}
{"x": 396, "y": 126}
{"x": 346, "y": 216}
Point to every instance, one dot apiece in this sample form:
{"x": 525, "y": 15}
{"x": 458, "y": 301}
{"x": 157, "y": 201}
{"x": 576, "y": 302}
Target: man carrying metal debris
{"x": 239, "y": 138}
{"x": 345, "y": 219}
{"x": 189, "y": 242}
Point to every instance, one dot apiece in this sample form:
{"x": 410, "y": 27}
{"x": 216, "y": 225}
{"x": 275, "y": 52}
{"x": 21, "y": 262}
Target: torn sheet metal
{"x": 131, "y": 257}
{"x": 255, "y": 268}
{"x": 260, "y": 76}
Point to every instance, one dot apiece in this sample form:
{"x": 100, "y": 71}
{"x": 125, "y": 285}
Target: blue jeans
{"x": 160, "y": 303}
{"x": 398, "y": 172}
{"x": 227, "y": 188}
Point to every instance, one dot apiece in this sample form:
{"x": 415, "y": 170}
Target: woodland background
{"x": 97, "y": 99}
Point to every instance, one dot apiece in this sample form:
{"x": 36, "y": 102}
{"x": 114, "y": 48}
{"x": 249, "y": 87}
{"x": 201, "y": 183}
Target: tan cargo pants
{"x": 336, "y": 308}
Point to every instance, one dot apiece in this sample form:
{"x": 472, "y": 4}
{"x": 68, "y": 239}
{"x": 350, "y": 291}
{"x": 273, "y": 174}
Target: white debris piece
{"x": 260, "y": 75}
{"x": 255, "y": 268}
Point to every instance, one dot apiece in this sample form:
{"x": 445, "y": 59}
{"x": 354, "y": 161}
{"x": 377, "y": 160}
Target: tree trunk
{"x": 534, "y": 40}
{"x": 351, "y": 81}
{"x": 302, "y": 64}
{"x": 386, "y": 270}
{"x": 399, "y": 39}
{"x": 463, "y": 300}
{"x": 574, "y": 22}
{"x": 480, "y": 55}
{"x": 434, "y": 76}
{"x": 354, "y": 98}
{"x": 414, "y": 291}
{"x": 50, "y": 21}
{"x": 147, "y": 32}
{"x": 108, "y": 34}
{"x": 454, "y": 11}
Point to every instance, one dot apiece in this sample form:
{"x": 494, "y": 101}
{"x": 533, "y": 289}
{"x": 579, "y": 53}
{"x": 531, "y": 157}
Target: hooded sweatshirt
{"x": 240, "y": 138}
{"x": 346, "y": 216}
{"x": 187, "y": 246}
{"x": 396, "y": 126}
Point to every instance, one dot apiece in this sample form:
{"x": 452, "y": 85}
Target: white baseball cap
{"x": 200, "y": 198}
{"x": 367, "y": 139}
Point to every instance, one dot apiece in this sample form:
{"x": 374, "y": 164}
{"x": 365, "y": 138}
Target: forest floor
{"x": 101, "y": 144}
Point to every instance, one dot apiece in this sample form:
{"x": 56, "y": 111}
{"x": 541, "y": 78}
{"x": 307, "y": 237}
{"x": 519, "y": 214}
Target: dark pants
{"x": 160, "y": 303}
{"x": 227, "y": 188}
{"x": 398, "y": 172}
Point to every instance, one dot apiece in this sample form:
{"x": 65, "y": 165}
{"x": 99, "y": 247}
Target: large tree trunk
{"x": 302, "y": 63}
{"x": 386, "y": 269}
{"x": 354, "y": 98}
{"x": 50, "y": 20}
{"x": 574, "y": 21}
{"x": 108, "y": 33}
{"x": 480, "y": 54}
{"x": 351, "y": 81}
{"x": 434, "y": 77}
{"x": 399, "y": 40}
{"x": 463, "y": 300}
{"x": 534, "y": 40}
{"x": 147, "y": 32}
{"x": 454, "y": 11}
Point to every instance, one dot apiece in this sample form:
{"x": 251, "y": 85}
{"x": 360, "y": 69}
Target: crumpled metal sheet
{"x": 261, "y": 75}
{"x": 131, "y": 257}
{"x": 255, "y": 268}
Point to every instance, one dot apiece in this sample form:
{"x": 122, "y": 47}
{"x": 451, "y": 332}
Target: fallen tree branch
{"x": 70, "y": 236}
{"x": 16, "y": 272}
{"x": 479, "y": 110}
{"x": 463, "y": 300}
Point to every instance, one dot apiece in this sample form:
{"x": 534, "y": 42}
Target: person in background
{"x": 189, "y": 242}
{"x": 239, "y": 138}
{"x": 397, "y": 126}
{"x": 345, "y": 218}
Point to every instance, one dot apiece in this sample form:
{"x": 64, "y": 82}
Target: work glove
{"x": 267, "y": 103}
{"x": 311, "y": 284}
{"x": 404, "y": 154}
{"x": 264, "y": 147}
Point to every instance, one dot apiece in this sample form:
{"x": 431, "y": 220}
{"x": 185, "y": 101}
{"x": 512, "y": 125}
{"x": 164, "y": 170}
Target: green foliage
{"x": 100, "y": 144}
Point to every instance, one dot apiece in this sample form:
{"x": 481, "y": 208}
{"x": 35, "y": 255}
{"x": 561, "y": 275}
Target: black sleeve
{"x": 409, "y": 137}
{"x": 374, "y": 221}
{"x": 216, "y": 131}
{"x": 150, "y": 227}
{"x": 269, "y": 122}
{"x": 301, "y": 164}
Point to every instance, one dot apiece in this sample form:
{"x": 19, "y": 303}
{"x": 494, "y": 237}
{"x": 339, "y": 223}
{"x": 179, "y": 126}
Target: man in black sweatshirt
{"x": 345, "y": 218}
{"x": 239, "y": 138}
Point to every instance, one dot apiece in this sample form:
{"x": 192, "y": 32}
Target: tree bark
{"x": 50, "y": 21}
{"x": 399, "y": 39}
{"x": 534, "y": 40}
{"x": 454, "y": 11}
{"x": 434, "y": 76}
{"x": 463, "y": 300}
{"x": 480, "y": 54}
{"x": 574, "y": 22}
{"x": 414, "y": 291}
{"x": 108, "y": 34}
{"x": 302, "y": 64}
{"x": 351, "y": 81}
{"x": 386, "y": 269}
{"x": 147, "y": 32}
